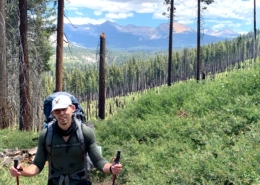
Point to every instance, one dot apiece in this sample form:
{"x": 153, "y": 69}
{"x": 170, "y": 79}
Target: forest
{"x": 29, "y": 71}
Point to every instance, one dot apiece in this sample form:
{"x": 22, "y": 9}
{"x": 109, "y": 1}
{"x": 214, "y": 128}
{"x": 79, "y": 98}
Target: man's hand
{"x": 16, "y": 172}
{"x": 116, "y": 168}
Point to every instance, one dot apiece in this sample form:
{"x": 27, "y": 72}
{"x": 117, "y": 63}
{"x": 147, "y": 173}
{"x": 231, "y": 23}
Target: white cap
{"x": 61, "y": 102}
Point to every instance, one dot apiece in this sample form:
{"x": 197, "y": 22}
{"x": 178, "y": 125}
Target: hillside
{"x": 74, "y": 53}
{"x": 189, "y": 133}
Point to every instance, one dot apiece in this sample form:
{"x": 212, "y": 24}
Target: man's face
{"x": 63, "y": 116}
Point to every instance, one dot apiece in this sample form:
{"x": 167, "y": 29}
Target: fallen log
{"x": 24, "y": 156}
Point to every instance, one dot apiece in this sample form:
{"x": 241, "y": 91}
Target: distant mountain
{"x": 208, "y": 31}
{"x": 140, "y": 37}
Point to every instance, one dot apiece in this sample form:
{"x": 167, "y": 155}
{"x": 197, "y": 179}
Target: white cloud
{"x": 79, "y": 13}
{"x": 83, "y": 20}
{"x": 219, "y": 8}
{"x": 217, "y": 25}
{"x": 147, "y": 8}
{"x": 98, "y": 13}
{"x": 118, "y": 15}
{"x": 70, "y": 8}
{"x": 186, "y": 10}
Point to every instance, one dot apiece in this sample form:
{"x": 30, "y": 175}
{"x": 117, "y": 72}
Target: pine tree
{"x": 3, "y": 70}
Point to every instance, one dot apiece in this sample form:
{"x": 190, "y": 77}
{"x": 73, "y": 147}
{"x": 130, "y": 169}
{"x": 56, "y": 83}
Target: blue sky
{"x": 236, "y": 15}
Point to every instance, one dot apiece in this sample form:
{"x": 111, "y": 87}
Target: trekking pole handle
{"x": 15, "y": 163}
{"x": 118, "y": 156}
{"x": 15, "y": 166}
{"x": 116, "y": 162}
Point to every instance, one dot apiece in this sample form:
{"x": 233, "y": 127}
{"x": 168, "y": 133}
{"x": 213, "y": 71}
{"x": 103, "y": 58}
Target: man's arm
{"x": 98, "y": 161}
{"x": 106, "y": 168}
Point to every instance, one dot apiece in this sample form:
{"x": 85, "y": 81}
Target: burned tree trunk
{"x": 170, "y": 45}
{"x": 102, "y": 78}
{"x": 255, "y": 54}
{"x": 59, "y": 47}
{"x": 198, "y": 43}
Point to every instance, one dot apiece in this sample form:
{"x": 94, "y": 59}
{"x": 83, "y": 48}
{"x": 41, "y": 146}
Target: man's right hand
{"x": 16, "y": 172}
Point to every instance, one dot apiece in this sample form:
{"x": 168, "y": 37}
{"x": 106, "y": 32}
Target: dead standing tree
{"x": 170, "y": 44}
{"x": 198, "y": 43}
{"x": 59, "y": 47}
{"x": 255, "y": 54}
{"x": 198, "y": 35}
{"x": 102, "y": 77}
{"x": 170, "y": 40}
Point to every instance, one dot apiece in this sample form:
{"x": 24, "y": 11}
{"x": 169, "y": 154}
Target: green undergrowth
{"x": 205, "y": 132}
{"x": 12, "y": 138}
{"x": 190, "y": 133}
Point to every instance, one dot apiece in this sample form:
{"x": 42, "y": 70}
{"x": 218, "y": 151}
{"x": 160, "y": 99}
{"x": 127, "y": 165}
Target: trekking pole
{"x": 15, "y": 166}
{"x": 116, "y": 162}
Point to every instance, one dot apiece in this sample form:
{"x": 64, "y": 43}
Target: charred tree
{"x": 255, "y": 54}
{"x": 59, "y": 47}
{"x": 170, "y": 44}
{"x": 198, "y": 42}
{"x": 208, "y": 2}
{"x": 102, "y": 78}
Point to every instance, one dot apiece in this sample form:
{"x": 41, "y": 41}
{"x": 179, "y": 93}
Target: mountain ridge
{"x": 132, "y": 36}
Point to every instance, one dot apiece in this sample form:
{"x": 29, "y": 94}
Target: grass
{"x": 190, "y": 133}
{"x": 13, "y": 138}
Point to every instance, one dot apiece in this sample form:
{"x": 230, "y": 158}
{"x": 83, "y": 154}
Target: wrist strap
{"x": 110, "y": 169}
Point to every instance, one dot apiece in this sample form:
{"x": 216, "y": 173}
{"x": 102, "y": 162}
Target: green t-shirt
{"x": 69, "y": 159}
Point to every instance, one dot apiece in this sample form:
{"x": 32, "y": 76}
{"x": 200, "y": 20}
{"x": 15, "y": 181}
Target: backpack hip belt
{"x": 79, "y": 175}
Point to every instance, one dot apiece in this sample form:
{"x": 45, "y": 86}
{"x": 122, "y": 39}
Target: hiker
{"x": 66, "y": 162}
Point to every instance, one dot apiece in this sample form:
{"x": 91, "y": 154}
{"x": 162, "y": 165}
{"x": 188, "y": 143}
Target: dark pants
{"x": 50, "y": 182}
{"x": 85, "y": 183}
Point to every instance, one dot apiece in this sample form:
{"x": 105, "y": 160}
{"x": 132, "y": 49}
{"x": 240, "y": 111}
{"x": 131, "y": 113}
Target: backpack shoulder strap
{"x": 80, "y": 134}
{"x": 48, "y": 142}
{"x": 82, "y": 145}
{"x": 48, "y": 138}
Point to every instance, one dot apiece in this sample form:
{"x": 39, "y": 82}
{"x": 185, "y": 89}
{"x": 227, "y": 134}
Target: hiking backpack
{"x": 47, "y": 106}
{"x": 78, "y": 117}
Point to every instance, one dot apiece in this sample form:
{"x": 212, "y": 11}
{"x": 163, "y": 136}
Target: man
{"x": 67, "y": 161}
